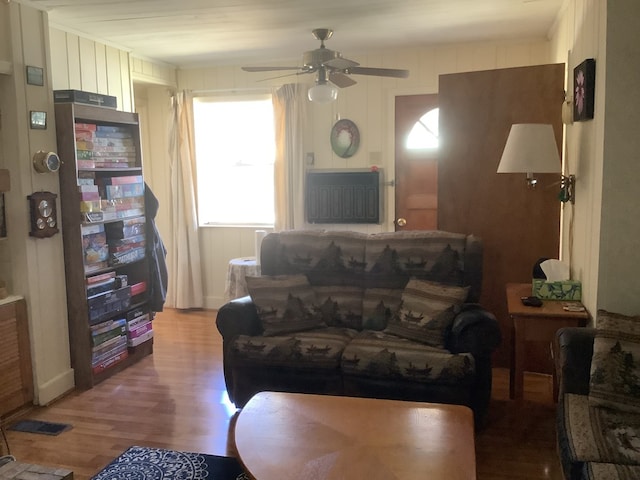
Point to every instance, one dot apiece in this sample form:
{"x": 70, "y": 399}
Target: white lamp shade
{"x": 323, "y": 93}
{"x": 530, "y": 148}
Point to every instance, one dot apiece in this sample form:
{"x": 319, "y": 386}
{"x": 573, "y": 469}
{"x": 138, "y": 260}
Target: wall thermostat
{"x": 46, "y": 162}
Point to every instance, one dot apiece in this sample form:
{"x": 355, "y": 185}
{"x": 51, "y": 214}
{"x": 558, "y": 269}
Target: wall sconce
{"x": 531, "y": 148}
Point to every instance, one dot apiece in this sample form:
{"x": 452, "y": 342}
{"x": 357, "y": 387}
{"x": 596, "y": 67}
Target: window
{"x": 424, "y": 133}
{"x": 235, "y": 152}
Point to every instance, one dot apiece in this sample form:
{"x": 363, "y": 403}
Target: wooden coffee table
{"x": 281, "y": 436}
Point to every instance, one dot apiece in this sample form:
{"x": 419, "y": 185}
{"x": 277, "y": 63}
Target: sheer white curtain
{"x": 185, "y": 276}
{"x": 289, "y": 105}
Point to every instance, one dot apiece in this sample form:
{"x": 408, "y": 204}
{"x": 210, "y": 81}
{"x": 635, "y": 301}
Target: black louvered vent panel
{"x": 343, "y": 197}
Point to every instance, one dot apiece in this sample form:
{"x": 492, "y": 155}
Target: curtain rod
{"x": 233, "y": 90}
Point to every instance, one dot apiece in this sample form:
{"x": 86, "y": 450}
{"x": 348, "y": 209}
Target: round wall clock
{"x": 46, "y": 162}
{"x": 345, "y": 138}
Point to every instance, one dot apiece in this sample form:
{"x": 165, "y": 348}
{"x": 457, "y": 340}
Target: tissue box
{"x": 564, "y": 290}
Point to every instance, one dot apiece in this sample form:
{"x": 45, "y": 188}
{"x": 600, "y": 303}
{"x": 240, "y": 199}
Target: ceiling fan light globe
{"x": 323, "y": 93}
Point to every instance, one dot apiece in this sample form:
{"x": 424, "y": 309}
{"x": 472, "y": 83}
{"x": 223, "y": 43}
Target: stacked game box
{"x": 139, "y": 326}
{"x": 104, "y": 146}
{"x": 123, "y": 195}
{"x": 109, "y": 344}
{"x": 126, "y": 240}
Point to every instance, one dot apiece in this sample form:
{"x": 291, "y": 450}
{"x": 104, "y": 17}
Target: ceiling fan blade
{"x": 341, "y": 80}
{"x": 267, "y": 69}
{"x": 380, "y": 72}
{"x": 341, "y": 63}
{"x": 281, "y": 76}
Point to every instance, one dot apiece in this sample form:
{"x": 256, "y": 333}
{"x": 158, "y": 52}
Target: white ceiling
{"x": 218, "y": 32}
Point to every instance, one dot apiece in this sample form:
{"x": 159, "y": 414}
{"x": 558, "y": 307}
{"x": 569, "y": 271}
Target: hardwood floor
{"x": 175, "y": 399}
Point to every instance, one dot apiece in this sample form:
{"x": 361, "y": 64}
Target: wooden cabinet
{"x": 103, "y": 224}
{"x": 16, "y": 378}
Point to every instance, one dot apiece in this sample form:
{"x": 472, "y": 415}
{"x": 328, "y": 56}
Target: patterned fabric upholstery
{"x": 317, "y": 349}
{"x": 325, "y": 257}
{"x": 340, "y": 305}
{"x": 379, "y": 355}
{"x": 610, "y": 471}
{"x": 378, "y": 305}
{"x": 615, "y": 366}
{"x": 392, "y": 258}
{"x": 601, "y": 435}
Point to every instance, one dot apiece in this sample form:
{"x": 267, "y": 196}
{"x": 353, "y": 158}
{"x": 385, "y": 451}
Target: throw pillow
{"x": 426, "y": 311}
{"x": 285, "y": 303}
{"x": 615, "y": 365}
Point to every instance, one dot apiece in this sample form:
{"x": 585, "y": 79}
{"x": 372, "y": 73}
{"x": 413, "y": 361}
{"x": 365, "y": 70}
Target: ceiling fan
{"x": 332, "y": 69}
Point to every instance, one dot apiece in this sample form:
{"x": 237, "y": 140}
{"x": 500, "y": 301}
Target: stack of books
{"x": 104, "y": 146}
{"x": 109, "y": 344}
{"x": 139, "y": 326}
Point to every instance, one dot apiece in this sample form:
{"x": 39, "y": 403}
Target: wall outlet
{"x": 310, "y": 158}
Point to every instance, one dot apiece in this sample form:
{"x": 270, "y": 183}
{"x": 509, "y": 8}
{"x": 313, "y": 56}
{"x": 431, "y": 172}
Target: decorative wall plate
{"x": 345, "y": 138}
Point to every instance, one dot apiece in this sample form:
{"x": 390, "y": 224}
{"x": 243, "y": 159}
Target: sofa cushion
{"x": 392, "y": 258}
{"x": 615, "y": 365}
{"x": 285, "y": 303}
{"x": 379, "y": 355}
{"x": 339, "y": 305}
{"x": 590, "y": 434}
{"x": 378, "y": 306}
{"x": 325, "y": 257}
{"x": 315, "y": 349}
{"x": 427, "y": 311}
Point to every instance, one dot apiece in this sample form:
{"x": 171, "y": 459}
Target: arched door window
{"x": 424, "y": 134}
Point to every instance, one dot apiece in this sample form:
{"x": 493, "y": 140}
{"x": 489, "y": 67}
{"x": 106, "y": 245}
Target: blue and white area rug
{"x": 144, "y": 463}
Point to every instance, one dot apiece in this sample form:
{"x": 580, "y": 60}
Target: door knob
{"x": 401, "y": 222}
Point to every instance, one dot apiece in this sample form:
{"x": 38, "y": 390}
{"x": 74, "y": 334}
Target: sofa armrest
{"x": 474, "y": 330}
{"x": 573, "y": 352}
{"x": 238, "y": 317}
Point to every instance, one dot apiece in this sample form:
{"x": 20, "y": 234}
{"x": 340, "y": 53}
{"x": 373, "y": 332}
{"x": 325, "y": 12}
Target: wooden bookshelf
{"x": 75, "y": 221}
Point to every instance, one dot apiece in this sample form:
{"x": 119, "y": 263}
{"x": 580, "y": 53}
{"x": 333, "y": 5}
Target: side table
{"x": 535, "y": 324}
{"x": 239, "y": 269}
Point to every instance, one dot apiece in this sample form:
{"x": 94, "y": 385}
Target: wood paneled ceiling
{"x": 219, "y": 32}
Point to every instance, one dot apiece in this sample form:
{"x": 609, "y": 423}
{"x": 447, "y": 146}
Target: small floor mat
{"x": 38, "y": 426}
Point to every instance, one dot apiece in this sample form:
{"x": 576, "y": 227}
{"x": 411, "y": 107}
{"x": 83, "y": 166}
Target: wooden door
{"x": 517, "y": 225}
{"x": 416, "y": 170}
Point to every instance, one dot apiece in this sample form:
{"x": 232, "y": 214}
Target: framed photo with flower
{"x": 584, "y": 83}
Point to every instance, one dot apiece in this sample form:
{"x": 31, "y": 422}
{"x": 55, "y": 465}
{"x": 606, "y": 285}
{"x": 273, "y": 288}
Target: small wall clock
{"x": 44, "y": 215}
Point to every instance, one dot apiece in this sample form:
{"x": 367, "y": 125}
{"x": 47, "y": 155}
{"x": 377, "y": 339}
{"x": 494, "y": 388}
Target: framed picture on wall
{"x": 584, "y": 83}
